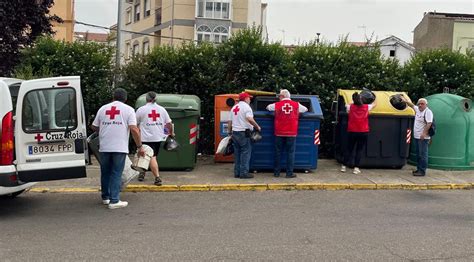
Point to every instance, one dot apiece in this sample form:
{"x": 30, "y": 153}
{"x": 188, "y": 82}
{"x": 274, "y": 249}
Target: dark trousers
{"x": 287, "y": 144}
{"x": 357, "y": 141}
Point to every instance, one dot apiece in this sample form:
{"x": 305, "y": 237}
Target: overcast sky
{"x": 299, "y": 20}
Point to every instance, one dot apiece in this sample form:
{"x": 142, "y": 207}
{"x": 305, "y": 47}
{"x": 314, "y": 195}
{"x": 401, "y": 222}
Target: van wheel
{"x": 13, "y": 195}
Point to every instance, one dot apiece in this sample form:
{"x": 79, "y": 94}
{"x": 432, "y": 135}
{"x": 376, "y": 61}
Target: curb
{"x": 261, "y": 187}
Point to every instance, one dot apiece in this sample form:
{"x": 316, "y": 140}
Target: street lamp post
{"x": 317, "y": 39}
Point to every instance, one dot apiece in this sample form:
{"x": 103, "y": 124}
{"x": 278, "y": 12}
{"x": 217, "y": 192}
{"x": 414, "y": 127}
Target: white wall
{"x": 402, "y": 53}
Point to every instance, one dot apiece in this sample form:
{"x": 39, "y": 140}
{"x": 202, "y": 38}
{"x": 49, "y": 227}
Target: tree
{"x": 21, "y": 22}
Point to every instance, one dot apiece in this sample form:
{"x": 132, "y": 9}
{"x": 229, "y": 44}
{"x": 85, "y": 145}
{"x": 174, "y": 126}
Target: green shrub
{"x": 91, "y": 61}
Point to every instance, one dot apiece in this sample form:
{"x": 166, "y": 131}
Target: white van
{"x": 42, "y": 132}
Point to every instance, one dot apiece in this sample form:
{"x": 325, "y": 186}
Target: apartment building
{"x": 445, "y": 30}
{"x": 148, "y": 23}
{"x": 65, "y": 10}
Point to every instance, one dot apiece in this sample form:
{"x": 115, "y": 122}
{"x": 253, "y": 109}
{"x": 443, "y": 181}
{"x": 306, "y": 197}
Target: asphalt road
{"x": 213, "y": 226}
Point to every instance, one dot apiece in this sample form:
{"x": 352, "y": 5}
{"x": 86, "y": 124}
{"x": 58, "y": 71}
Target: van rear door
{"x": 50, "y": 130}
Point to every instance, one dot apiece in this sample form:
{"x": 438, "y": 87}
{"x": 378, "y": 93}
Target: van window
{"x": 49, "y": 110}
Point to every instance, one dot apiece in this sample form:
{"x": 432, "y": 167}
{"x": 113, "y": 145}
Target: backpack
{"x": 432, "y": 130}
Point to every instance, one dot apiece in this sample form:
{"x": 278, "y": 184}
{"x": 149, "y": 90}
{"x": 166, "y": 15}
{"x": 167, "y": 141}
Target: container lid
{"x": 171, "y": 102}
{"x": 383, "y": 100}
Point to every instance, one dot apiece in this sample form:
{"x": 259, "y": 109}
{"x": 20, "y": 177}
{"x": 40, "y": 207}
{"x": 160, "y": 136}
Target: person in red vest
{"x": 358, "y": 131}
{"x": 287, "y": 114}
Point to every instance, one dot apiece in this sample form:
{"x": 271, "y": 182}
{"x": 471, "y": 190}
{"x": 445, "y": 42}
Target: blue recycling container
{"x": 307, "y": 141}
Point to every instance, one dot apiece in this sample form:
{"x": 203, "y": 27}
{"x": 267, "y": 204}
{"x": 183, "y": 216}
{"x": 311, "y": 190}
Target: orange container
{"x": 222, "y": 105}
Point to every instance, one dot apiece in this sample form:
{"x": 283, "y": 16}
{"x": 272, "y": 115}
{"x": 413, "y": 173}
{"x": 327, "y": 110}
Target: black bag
{"x": 367, "y": 96}
{"x": 229, "y": 149}
{"x": 432, "y": 130}
{"x": 170, "y": 144}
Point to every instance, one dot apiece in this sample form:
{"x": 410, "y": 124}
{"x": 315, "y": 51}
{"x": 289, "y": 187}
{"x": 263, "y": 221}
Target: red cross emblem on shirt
{"x": 112, "y": 112}
{"x": 287, "y": 108}
{"x": 236, "y": 110}
{"x": 153, "y": 115}
{"x": 38, "y": 137}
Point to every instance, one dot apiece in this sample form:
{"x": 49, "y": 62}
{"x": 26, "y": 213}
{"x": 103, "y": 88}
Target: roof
{"x": 453, "y": 15}
{"x": 95, "y": 37}
{"x": 399, "y": 41}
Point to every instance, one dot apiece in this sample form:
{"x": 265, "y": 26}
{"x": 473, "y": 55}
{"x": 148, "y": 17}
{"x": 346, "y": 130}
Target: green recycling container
{"x": 184, "y": 111}
{"x": 452, "y": 147}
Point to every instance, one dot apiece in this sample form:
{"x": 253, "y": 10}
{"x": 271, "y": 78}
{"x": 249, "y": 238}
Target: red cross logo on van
{"x": 287, "y": 108}
{"x": 236, "y": 110}
{"x": 38, "y": 137}
{"x": 153, "y": 115}
{"x": 112, "y": 112}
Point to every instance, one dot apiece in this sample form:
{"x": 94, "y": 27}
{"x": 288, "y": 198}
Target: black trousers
{"x": 357, "y": 141}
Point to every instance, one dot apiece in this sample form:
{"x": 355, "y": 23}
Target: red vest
{"x": 358, "y": 118}
{"x": 286, "y": 118}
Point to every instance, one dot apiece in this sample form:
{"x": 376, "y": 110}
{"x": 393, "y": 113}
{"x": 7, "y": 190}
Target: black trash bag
{"x": 367, "y": 96}
{"x": 170, "y": 144}
{"x": 229, "y": 149}
{"x": 397, "y": 102}
{"x": 255, "y": 136}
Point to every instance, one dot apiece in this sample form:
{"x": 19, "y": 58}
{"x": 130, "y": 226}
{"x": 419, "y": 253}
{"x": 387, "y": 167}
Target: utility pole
{"x": 119, "y": 39}
{"x": 119, "y": 34}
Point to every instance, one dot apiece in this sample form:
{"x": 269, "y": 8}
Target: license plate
{"x": 50, "y": 148}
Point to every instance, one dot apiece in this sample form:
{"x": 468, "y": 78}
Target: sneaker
{"x": 343, "y": 168}
{"x": 356, "y": 171}
{"x": 418, "y": 174}
{"x": 158, "y": 181}
{"x": 141, "y": 177}
{"x": 415, "y": 171}
{"x": 119, "y": 204}
{"x": 105, "y": 201}
{"x": 291, "y": 176}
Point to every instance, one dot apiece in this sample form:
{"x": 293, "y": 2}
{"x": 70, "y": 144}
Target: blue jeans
{"x": 289, "y": 145}
{"x": 111, "y": 168}
{"x": 421, "y": 155}
{"x": 242, "y": 152}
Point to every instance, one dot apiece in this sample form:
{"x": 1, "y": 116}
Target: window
{"x": 225, "y": 10}
{"x": 135, "y": 49}
{"x": 220, "y": 34}
{"x": 129, "y": 16}
{"x": 203, "y": 33}
{"x": 158, "y": 16}
{"x": 146, "y": 47}
{"x": 147, "y": 8}
{"x": 49, "y": 110}
{"x": 218, "y": 9}
{"x": 200, "y": 8}
{"x": 392, "y": 53}
{"x": 137, "y": 12}
{"x": 127, "y": 50}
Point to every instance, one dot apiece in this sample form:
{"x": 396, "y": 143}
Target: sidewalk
{"x": 210, "y": 176}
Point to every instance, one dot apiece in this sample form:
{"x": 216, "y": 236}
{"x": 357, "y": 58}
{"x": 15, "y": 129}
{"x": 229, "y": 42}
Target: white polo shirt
{"x": 151, "y": 119}
{"x": 113, "y": 121}
{"x": 420, "y": 122}
{"x": 238, "y": 116}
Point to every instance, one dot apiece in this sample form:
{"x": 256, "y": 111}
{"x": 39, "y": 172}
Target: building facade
{"x": 445, "y": 30}
{"x": 149, "y": 23}
{"x": 65, "y": 10}
{"x": 395, "y": 48}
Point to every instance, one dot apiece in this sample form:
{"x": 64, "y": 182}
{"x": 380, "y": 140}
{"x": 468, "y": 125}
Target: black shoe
{"x": 246, "y": 177}
{"x": 415, "y": 171}
{"x": 276, "y": 174}
{"x": 158, "y": 181}
{"x": 236, "y": 176}
{"x": 418, "y": 174}
{"x": 141, "y": 177}
{"x": 291, "y": 176}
